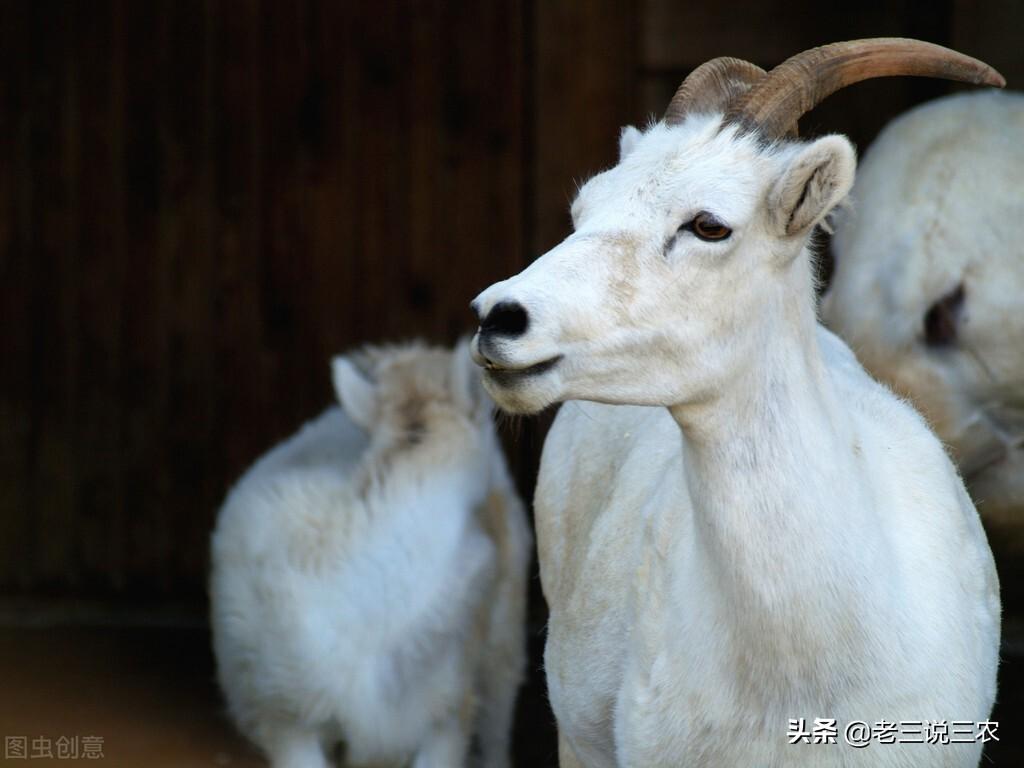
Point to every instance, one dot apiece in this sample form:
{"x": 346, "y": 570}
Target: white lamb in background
{"x": 779, "y": 540}
{"x": 368, "y": 579}
{"x": 929, "y": 282}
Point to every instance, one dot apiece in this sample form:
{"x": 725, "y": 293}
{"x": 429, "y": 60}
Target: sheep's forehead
{"x": 690, "y": 167}
{"x": 417, "y": 370}
{"x": 411, "y": 374}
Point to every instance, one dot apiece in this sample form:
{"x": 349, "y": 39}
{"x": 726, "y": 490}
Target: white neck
{"x": 779, "y": 518}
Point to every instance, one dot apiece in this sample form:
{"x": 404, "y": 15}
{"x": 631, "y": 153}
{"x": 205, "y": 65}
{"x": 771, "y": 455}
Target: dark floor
{"x": 149, "y": 694}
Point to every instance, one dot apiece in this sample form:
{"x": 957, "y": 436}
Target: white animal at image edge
{"x": 776, "y": 536}
{"x": 368, "y": 576}
{"x": 929, "y": 278}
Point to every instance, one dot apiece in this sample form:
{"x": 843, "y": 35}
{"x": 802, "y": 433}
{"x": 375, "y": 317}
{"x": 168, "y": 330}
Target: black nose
{"x": 508, "y": 318}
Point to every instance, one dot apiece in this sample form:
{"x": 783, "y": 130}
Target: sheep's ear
{"x": 357, "y": 394}
{"x": 628, "y": 138}
{"x": 817, "y": 178}
{"x": 467, "y": 385}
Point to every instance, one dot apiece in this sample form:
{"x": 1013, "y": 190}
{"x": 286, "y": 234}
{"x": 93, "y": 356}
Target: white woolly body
{"x": 373, "y": 597}
{"x": 779, "y": 537}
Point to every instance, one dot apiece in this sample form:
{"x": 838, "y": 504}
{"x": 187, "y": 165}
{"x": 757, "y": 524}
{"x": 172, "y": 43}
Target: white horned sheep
{"x": 368, "y": 579}
{"x": 778, "y": 538}
{"x": 929, "y": 279}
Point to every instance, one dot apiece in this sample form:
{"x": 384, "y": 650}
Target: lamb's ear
{"x": 357, "y": 394}
{"x": 628, "y": 137}
{"x": 817, "y": 178}
{"x": 467, "y": 383}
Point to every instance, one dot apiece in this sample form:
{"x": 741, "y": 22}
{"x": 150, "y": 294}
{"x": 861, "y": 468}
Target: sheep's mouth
{"x": 993, "y": 461}
{"x": 1003, "y": 442}
{"x": 505, "y": 374}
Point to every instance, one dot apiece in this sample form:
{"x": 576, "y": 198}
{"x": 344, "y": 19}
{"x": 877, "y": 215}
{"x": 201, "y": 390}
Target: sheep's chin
{"x": 998, "y": 492}
{"x": 522, "y": 393}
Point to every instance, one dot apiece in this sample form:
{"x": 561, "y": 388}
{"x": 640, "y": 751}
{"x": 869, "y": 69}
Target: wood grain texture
{"x": 202, "y": 200}
{"x": 991, "y": 29}
{"x": 584, "y": 80}
{"x": 16, "y": 438}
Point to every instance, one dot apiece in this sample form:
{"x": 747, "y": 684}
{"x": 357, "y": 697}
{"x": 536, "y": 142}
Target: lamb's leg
{"x": 503, "y": 621}
{"x": 446, "y": 747}
{"x": 497, "y": 710}
{"x": 566, "y": 757}
{"x": 295, "y": 748}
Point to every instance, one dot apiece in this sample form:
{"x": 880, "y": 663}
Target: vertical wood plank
{"x": 140, "y": 385}
{"x": 584, "y": 77}
{"x": 429, "y": 169}
{"x": 188, "y": 467}
{"x": 15, "y": 293}
{"x": 383, "y": 218}
{"x": 331, "y": 125}
{"x": 294, "y": 136}
{"x": 483, "y": 102}
{"x": 100, "y": 514}
{"x": 53, "y": 308}
{"x": 236, "y": 426}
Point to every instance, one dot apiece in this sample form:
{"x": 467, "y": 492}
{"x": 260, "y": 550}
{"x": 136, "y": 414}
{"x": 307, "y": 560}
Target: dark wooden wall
{"x": 201, "y": 200}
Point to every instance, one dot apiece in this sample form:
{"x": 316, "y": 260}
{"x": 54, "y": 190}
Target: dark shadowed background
{"x": 200, "y": 202}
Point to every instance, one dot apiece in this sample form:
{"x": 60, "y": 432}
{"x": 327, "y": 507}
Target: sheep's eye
{"x": 941, "y": 319}
{"x": 707, "y": 227}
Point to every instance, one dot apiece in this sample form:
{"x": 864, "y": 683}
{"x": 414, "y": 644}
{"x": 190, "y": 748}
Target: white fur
{"x": 778, "y": 536}
{"x": 938, "y": 204}
{"x": 369, "y": 587}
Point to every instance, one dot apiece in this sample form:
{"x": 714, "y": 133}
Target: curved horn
{"x": 711, "y": 87}
{"x": 799, "y": 83}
